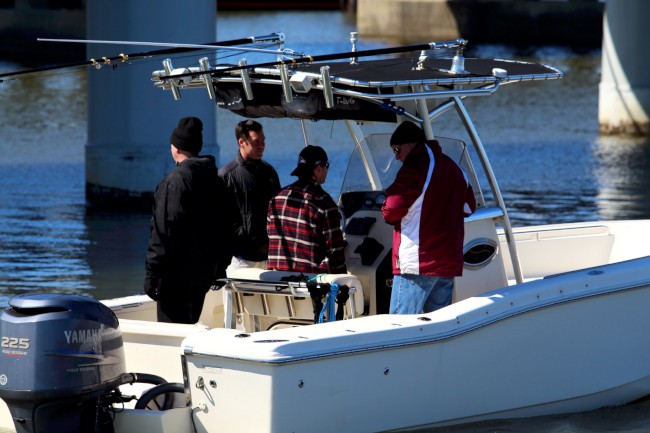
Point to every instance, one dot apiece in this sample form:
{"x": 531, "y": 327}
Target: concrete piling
{"x": 130, "y": 121}
{"x": 624, "y": 91}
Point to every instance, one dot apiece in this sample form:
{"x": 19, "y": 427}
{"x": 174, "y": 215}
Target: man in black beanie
{"x": 190, "y": 243}
{"x": 426, "y": 204}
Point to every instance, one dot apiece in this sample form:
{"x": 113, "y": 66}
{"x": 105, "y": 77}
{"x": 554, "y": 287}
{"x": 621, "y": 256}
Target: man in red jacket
{"x": 427, "y": 204}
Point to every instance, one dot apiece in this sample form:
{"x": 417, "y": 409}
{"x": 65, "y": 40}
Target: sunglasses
{"x": 398, "y": 149}
{"x": 318, "y": 163}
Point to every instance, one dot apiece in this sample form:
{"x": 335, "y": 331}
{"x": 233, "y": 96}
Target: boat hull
{"x": 566, "y": 344}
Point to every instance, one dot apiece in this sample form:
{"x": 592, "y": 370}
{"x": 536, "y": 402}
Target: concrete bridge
{"x": 575, "y": 23}
{"x": 624, "y": 94}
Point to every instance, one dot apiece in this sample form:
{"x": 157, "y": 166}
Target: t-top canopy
{"x": 366, "y": 91}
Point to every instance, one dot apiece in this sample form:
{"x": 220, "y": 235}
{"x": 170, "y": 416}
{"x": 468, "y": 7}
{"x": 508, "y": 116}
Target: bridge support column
{"x": 130, "y": 121}
{"x": 624, "y": 92}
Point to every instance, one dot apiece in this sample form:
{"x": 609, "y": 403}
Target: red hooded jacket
{"x": 427, "y": 204}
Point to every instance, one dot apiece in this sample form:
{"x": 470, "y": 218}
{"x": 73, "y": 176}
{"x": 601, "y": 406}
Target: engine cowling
{"x": 58, "y": 355}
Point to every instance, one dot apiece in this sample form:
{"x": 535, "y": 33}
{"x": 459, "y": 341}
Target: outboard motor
{"x": 60, "y": 356}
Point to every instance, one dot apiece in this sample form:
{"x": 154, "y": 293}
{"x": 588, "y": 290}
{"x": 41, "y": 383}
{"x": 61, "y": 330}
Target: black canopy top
{"x": 364, "y": 90}
{"x": 404, "y": 71}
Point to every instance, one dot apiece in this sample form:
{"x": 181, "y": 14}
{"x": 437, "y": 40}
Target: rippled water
{"x": 542, "y": 139}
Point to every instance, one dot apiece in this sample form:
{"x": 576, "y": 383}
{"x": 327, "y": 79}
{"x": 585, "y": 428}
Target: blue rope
{"x": 330, "y": 305}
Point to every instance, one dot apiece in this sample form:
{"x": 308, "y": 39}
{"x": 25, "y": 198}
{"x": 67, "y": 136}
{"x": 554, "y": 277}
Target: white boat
{"x": 545, "y": 320}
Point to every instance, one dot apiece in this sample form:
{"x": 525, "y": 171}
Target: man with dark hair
{"x": 427, "y": 204}
{"x": 190, "y": 241}
{"x": 304, "y": 224}
{"x": 252, "y": 182}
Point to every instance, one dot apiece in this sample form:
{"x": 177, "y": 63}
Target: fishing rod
{"x": 174, "y": 49}
{"x": 458, "y": 44}
{"x": 212, "y": 46}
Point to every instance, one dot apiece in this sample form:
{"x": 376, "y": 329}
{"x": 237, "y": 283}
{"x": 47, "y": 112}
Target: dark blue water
{"x": 542, "y": 139}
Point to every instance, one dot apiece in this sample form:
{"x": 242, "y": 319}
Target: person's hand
{"x": 152, "y": 285}
{"x": 218, "y": 284}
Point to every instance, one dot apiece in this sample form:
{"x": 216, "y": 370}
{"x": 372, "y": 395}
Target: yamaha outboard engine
{"x": 60, "y": 355}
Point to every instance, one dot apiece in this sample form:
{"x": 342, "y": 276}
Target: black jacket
{"x": 253, "y": 184}
{"x": 191, "y": 238}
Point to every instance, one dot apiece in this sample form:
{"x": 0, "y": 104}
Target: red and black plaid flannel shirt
{"x": 304, "y": 228}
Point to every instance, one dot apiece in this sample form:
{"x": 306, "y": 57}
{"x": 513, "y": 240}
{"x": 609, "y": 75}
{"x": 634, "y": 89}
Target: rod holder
{"x": 354, "y": 37}
{"x": 458, "y": 63}
{"x": 205, "y": 66}
{"x": 167, "y": 64}
{"x": 246, "y": 80}
{"x": 328, "y": 94}
{"x": 286, "y": 85}
{"x": 422, "y": 60}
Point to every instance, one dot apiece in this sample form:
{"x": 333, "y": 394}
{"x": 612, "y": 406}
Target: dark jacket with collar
{"x": 190, "y": 242}
{"x": 253, "y": 184}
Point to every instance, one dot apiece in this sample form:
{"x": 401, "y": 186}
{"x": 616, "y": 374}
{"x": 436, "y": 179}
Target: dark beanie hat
{"x": 407, "y": 132}
{"x": 188, "y": 135}
{"x": 309, "y": 158}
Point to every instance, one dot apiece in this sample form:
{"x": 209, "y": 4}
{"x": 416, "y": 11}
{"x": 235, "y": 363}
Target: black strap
{"x": 317, "y": 291}
{"x": 341, "y": 299}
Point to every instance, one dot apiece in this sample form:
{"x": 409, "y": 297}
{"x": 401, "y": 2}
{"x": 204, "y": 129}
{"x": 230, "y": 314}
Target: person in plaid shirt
{"x": 303, "y": 223}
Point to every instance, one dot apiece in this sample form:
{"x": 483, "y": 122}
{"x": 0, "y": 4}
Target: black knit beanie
{"x": 407, "y": 132}
{"x": 188, "y": 135}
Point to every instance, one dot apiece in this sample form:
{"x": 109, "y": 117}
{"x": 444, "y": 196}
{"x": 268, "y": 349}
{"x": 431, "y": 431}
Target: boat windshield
{"x": 373, "y": 167}
{"x": 377, "y": 155}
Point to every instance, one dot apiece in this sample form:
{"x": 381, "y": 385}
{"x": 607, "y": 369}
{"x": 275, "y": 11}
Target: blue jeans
{"x": 414, "y": 294}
